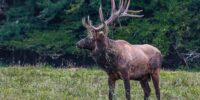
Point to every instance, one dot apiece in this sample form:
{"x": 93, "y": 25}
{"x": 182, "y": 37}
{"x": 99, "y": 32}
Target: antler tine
{"x": 101, "y": 14}
{"x": 125, "y": 13}
{"x": 131, "y": 15}
{"x": 89, "y": 21}
{"x": 87, "y": 26}
{"x": 134, "y": 11}
{"x": 84, "y": 23}
{"x": 113, "y": 5}
{"x": 131, "y": 11}
{"x": 90, "y": 24}
{"x": 127, "y": 6}
{"x": 121, "y": 6}
{"x": 120, "y": 2}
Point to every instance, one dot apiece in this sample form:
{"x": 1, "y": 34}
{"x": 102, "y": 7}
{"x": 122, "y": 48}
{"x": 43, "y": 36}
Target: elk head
{"x": 100, "y": 32}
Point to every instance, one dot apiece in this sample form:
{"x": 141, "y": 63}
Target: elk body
{"x": 120, "y": 59}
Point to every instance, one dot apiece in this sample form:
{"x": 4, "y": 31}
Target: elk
{"x": 120, "y": 59}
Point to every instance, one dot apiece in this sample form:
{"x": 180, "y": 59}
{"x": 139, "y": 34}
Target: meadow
{"x": 47, "y": 83}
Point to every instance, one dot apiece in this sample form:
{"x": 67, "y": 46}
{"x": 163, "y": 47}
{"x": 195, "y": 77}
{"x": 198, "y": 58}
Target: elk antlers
{"x": 121, "y": 12}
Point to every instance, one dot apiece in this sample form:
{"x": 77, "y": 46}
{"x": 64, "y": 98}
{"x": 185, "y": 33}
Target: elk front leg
{"x": 127, "y": 88}
{"x": 111, "y": 84}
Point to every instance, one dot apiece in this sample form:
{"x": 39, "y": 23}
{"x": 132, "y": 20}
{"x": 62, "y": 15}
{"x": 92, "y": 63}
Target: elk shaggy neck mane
{"x": 99, "y": 53}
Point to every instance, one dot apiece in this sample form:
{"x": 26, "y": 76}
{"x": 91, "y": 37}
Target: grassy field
{"x": 45, "y": 83}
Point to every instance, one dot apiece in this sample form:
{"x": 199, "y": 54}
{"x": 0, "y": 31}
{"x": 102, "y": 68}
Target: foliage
{"x": 55, "y": 25}
{"x": 22, "y": 83}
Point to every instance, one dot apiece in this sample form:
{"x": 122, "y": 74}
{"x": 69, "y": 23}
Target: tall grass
{"x": 46, "y": 83}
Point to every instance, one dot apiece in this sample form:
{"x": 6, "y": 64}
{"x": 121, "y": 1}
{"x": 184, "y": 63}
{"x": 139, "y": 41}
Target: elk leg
{"x": 111, "y": 84}
{"x": 127, "y": 89}
{"x": 146, "y": 88}
{"x": 155, "y": 78}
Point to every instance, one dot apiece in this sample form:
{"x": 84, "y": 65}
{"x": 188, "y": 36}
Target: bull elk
{"x": 120, "y": 59}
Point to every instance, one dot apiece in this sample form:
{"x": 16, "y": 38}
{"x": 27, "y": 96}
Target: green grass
{"x": 45, "y": 83}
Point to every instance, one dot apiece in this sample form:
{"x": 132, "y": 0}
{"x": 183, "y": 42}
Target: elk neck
{"x": 103, "y": 44}
{"x": 100, "y": 52}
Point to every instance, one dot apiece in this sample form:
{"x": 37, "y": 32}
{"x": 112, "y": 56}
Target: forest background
{"x": 45, "y": 31}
